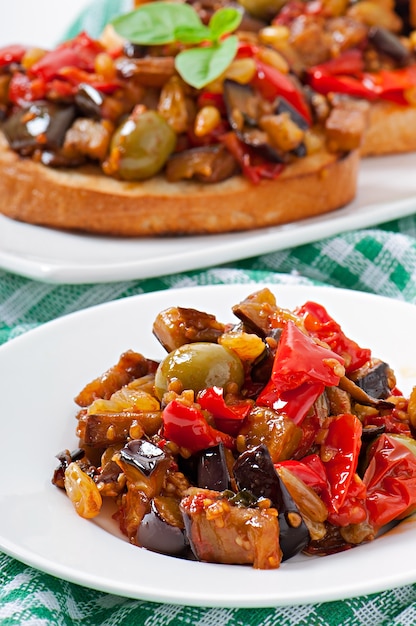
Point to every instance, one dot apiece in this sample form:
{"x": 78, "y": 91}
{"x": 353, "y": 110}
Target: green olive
{"x": 199, "y": 365}
{"x": 144, "y": 145}
{"x": 263, "y": 9}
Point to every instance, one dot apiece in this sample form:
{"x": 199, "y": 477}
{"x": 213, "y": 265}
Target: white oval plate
{"x": 43, "y": 370}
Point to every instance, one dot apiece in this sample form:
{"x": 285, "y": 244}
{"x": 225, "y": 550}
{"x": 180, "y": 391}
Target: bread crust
{"x": 84, "y": 199}
{"x": 390, "y": 130}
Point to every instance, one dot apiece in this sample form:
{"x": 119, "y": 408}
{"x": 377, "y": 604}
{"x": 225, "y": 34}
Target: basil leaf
{"x": 189, "y": 34}
{"x": 200, "y": 66}
{"x": 156, "y": 23}
{"x": 223, "y": 21}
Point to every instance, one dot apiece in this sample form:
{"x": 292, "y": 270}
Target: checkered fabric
{"x": 380, "y": 260}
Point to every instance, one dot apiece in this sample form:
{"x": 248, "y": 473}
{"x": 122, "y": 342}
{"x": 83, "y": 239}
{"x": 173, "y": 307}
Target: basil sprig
{"x": 158, "y": 23}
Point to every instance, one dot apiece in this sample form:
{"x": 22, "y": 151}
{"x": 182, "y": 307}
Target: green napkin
{"x": 380, "y": 260}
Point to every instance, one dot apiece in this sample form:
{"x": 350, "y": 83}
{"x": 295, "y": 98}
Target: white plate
{"x": 387, "y": 190}
{"x": 44, "y": 369}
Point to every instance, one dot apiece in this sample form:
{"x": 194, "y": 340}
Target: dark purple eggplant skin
{"x": 143, "y": 455}
{"x": 388, "y": 43}
{"x": 375, "y": 382}
{"x": 89, "y": 101}
{"x": 47, "y": 120}
{"x": 155, "y": 534}
{"x": 254, "y": 471}
{"x": 212, "y": 470}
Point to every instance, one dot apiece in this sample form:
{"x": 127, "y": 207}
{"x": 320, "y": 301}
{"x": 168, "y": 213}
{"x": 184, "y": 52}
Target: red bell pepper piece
{"x": 301, "y": 370}
{"x": 228, "y": 418}
{"x": 75, "y": 76}
{"x": 300, "y": 360}
{"x": 271, "y": 83}
{"x": 79, "y": 52}
{"x": 339, "y": 455}
{"x": 186, "y": 426}
{"x": 310, "y": 470}
{"x": 321, "y": 325}
{"x": 345, "y": 75}
{"x": 390, "y": 479}
{"x": 297, "y": 401}
{"x": 296, "y": 8}
{"x": 12, "y": 54}
{"x": 350, "y": 62}
{"x": 22, "y": 89}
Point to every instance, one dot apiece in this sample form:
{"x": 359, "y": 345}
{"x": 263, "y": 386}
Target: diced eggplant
{"x": 176, "y": 326}
{"x": 39, "y": 125}
{"x": 283, "y": 106}
{"x": 134, "y": 50}
{"x": 221, "y": 532}
{"x": 65, "y": 458}
{"x": 131, "y": 365}
{"x": 280, "y": 435}
{"x": 254, "y": 471}
{"x": 162, "y": 528}
{"x": 212, "y": 469}
{"x": 144, "y": 464}
{"x": 375, "y": 381}
{"x": 101, "y": 430}
{"x": 89, "y": 100}
{"x": 206, "y": 164}
{"x": 388, "y": 43}
{"x": 242, "y": 104}
{"x": 361, "y": 396}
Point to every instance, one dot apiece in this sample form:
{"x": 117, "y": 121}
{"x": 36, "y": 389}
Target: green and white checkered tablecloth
{"x": 380, "y": 260}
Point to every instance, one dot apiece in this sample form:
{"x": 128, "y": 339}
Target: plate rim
{"x": 250, "y": 600}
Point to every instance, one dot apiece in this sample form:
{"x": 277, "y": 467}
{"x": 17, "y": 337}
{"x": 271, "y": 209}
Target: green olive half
{"x": 144, "y": 145}
{"x": 198, "y": 366}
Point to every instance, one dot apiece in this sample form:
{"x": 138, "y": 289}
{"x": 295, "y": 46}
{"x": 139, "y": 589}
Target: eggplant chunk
{"x": 162, "y": 528}
{"x": 254, "y": 471}
{"x": 144, "y": 464}
{"x": 131, "y": 365}
{"x": 374, "y": 380}
{"x": 39, "y": 125}
{"x": 176, "y": 326}
{"x": 220, "y": 532}
{"x": 212, "y": 470}
{"x": 278, "y": 432}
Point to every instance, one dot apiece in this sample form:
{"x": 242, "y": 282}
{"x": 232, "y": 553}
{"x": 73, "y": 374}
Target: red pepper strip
{"x": 312, "y": 473}
{"x": 311, "y": 470}
{"x": 79, "y": 52}
{"x": 228, "y": 418}
{"x": 339, "y": 454}
{"x": 296, "y": 8}
{"x": 350, "y": 62}
{"x": 12, "y": 54}
{"x": 270, "y": 82}
{"x": 321, "y": 325}
{"x": 385, "y": 85}
{"x": 300, "y": 360}
{"x": 22, "y": 89}
{"x": 390, "y": 479}
{"x": 186, "y": 426}
{"x": 354, "y": 509}
{"x": 252, "y": 171}
{"x": 392, "y": 424}
{"x": 76, "y": 76}
{"x": 298, "y": 401}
